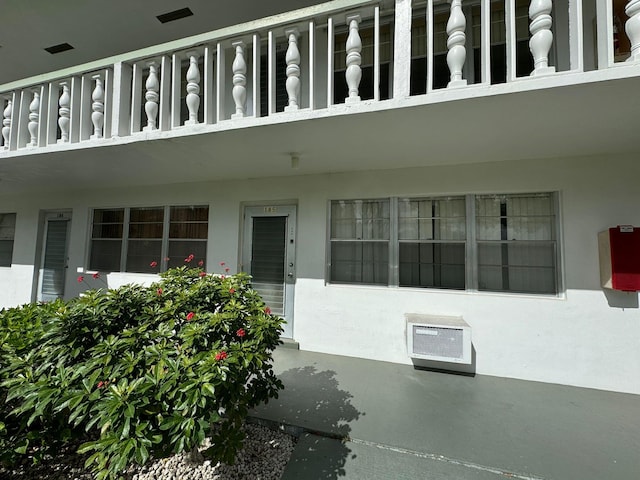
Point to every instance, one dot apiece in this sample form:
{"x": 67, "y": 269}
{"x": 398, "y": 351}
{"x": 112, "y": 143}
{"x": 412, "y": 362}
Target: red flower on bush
{"x": 190, "y": 316}
{"x": 159, "y": 291}
{"x": 222, "y": 264}
{"x": 232, "y": 291}
{"x": 102, "y": 384}
{"x": 221, "y": 355}
{"x": 240, "y": 332}
{"x": 189, "y": 258}
{"x": 153, "y": 264}
{"x": 203, "y": 274}
{"x": 96, "y": 275}
{"x": 267, "y": 310}
{"x": 201, "y": 263}
{"x": 222, "y": 277}
{"x": 226, "y": 270}
{"x": 80, "y": 279}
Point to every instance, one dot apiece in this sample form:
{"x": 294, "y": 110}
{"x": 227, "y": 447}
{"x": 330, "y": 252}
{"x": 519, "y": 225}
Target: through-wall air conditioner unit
{"x": 438, "y": 338}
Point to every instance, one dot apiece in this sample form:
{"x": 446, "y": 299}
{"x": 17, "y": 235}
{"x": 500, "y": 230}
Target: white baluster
{"x": 151, "y": 95}
{"x": 6, "y": 122}
{"x": 97, "y": 107}
{"x": 64, "y": 112}
{"x": 456, "y": 43}
{"x": 353, "y": 74}
{"x": 541, "y": 36}
{"x": 239, "y": 92}
{"x": 632, "y": 27}
{"x": 293, "y": 69}
{"x": 193, "y": 90}
{"x": 34, "y": 118}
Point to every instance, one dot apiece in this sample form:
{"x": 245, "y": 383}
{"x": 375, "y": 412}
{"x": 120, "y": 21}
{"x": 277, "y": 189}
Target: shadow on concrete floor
{"x": 325, "y": 412}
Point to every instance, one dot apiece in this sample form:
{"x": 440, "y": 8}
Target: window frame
{"x": 128, "y": 239}
{"x": 163, "y": 262}
{"x": 471, "y": 243}
{"x": 12, "y": 240}
{"x": 433, "y": 241}
{"x": 505, "y": 243}
{"x": 362, "y": 241}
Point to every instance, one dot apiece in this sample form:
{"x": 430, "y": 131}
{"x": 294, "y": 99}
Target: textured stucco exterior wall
{"x": 585, "y": 337}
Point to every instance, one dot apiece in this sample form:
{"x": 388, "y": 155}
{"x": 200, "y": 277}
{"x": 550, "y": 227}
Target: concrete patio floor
{"x": 362, "y": 419}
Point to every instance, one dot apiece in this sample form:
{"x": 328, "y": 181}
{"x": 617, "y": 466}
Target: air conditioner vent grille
{"x": 438, "y": 341}
{"x": 438, "y": 338}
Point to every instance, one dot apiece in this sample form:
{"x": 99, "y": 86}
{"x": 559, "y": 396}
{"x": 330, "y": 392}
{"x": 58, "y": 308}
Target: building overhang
{"x": 588, "y": 119}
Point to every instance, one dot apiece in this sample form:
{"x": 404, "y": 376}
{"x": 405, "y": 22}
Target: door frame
{"x": 47, "y": 216}
{"x": 289, "y": 211}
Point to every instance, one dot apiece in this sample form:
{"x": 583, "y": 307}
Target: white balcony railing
{"x": 346, "y": 51}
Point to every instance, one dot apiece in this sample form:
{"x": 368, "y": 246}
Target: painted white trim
{"x": 524, "y": 84}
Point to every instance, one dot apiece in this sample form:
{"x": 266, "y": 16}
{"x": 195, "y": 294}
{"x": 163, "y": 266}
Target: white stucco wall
{"x": 16, "y": 281}
{"x": 585, "y": 337}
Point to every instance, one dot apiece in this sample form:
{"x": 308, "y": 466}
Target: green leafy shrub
{"x": 143, "y": 371}
{"x": 21, "y": 331}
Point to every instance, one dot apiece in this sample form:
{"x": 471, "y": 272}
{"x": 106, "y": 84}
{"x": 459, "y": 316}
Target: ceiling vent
{"x": 438, "y": 338}
{"x": 63, "y": 47}
{"x": 175, "y": 15}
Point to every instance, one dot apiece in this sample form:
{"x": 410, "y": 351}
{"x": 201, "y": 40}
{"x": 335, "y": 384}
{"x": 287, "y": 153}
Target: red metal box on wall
{"x": 620, "y": 258}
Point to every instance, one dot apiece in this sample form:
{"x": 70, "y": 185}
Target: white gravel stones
{"x": 264, "y": 456}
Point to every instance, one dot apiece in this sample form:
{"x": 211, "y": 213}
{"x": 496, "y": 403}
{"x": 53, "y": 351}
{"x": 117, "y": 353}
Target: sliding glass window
{"x": 7, "y": 236}
{"x": 360, "y": 241}
{"x": 499, "y": 243}
{"x": 516, "y": 243}
{"x": 148, "y": 239}
{"x": 432, "y": 234}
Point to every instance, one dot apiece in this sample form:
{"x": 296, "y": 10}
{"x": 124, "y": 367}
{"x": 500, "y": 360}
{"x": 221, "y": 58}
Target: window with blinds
{"x": 144, "y": 244}
{"x": 7, "y": 235}
{"x": 516, "y": 243}
{"x": 132, "y": 239}
{"x": 499, "y": 243}
{"x": 188, "y": 231}
{"x": 360, "y": 241}
{"x": 431, "y": 236}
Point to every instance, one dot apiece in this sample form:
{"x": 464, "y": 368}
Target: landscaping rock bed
{"x": 263, "y": 457}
